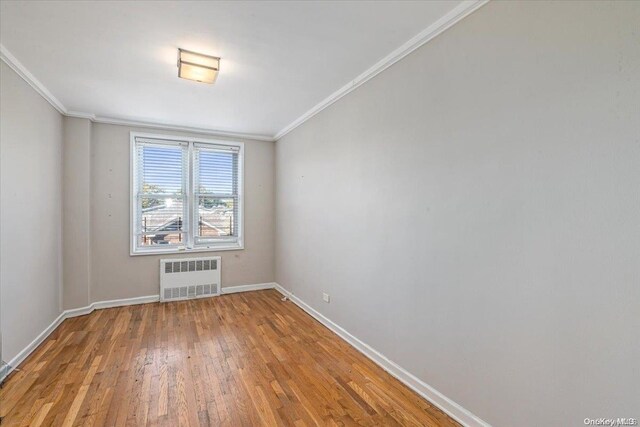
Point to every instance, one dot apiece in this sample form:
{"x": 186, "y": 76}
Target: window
{"x": 186, "y": 194}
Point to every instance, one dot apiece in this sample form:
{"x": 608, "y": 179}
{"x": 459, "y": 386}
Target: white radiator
{"x": 188, "y": 278}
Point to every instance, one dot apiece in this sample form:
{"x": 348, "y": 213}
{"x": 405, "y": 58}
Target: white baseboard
{"x": 75, "y": 312}
{"x": 248, "y": 288}
{"x": 127, "y": 301}
{"x": 447, "y": 405}
{"x": 283, "y": 291}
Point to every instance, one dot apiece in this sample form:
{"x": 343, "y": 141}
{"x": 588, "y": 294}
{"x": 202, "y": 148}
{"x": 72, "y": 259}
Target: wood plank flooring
{"x": 244, "y": 359}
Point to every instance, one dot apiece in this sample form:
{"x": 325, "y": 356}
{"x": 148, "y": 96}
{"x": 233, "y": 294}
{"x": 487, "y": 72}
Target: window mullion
{"x": 190, "y": 199}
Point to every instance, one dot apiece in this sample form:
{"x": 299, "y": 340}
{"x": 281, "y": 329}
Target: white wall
{"x": 30, "y": 212}
{"x": 474, "y": 210}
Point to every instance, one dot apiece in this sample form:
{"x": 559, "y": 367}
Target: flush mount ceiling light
{"x": 197, "y": 67}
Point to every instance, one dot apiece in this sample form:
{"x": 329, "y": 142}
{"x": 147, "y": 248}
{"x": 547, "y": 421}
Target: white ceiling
{"x": 279, "y": 59}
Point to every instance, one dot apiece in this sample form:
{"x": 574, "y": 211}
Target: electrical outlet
{"x": 325, "y": 297}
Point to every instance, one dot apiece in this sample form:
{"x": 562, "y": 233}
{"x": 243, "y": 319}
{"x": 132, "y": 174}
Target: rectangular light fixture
{"x": 197, "y": 67}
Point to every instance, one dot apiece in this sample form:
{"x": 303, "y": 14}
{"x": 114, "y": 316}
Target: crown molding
{"x": 7, "y": 57}
{"x": 80, "y": 115}
{"x": 13, "y": 63}
{"x": 168, "y": 126}
{"x": 458, "y": 13}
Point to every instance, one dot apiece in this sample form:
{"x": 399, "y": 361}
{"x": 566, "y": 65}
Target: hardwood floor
{"x": 238, "y": 360}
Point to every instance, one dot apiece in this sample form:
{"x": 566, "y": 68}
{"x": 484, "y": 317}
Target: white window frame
{"x": 189, "y": 199}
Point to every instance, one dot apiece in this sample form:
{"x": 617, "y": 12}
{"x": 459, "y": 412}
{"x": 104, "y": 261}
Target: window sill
{"x": 175, "y": 251}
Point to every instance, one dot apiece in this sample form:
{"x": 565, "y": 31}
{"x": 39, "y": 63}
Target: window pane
{"x": 161, "y": 169}
{"x": 217, "y": 172}
{"x": 161, "y": 239}
{"x": 161, "y": 217}
{"x": 216, "y": 217}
